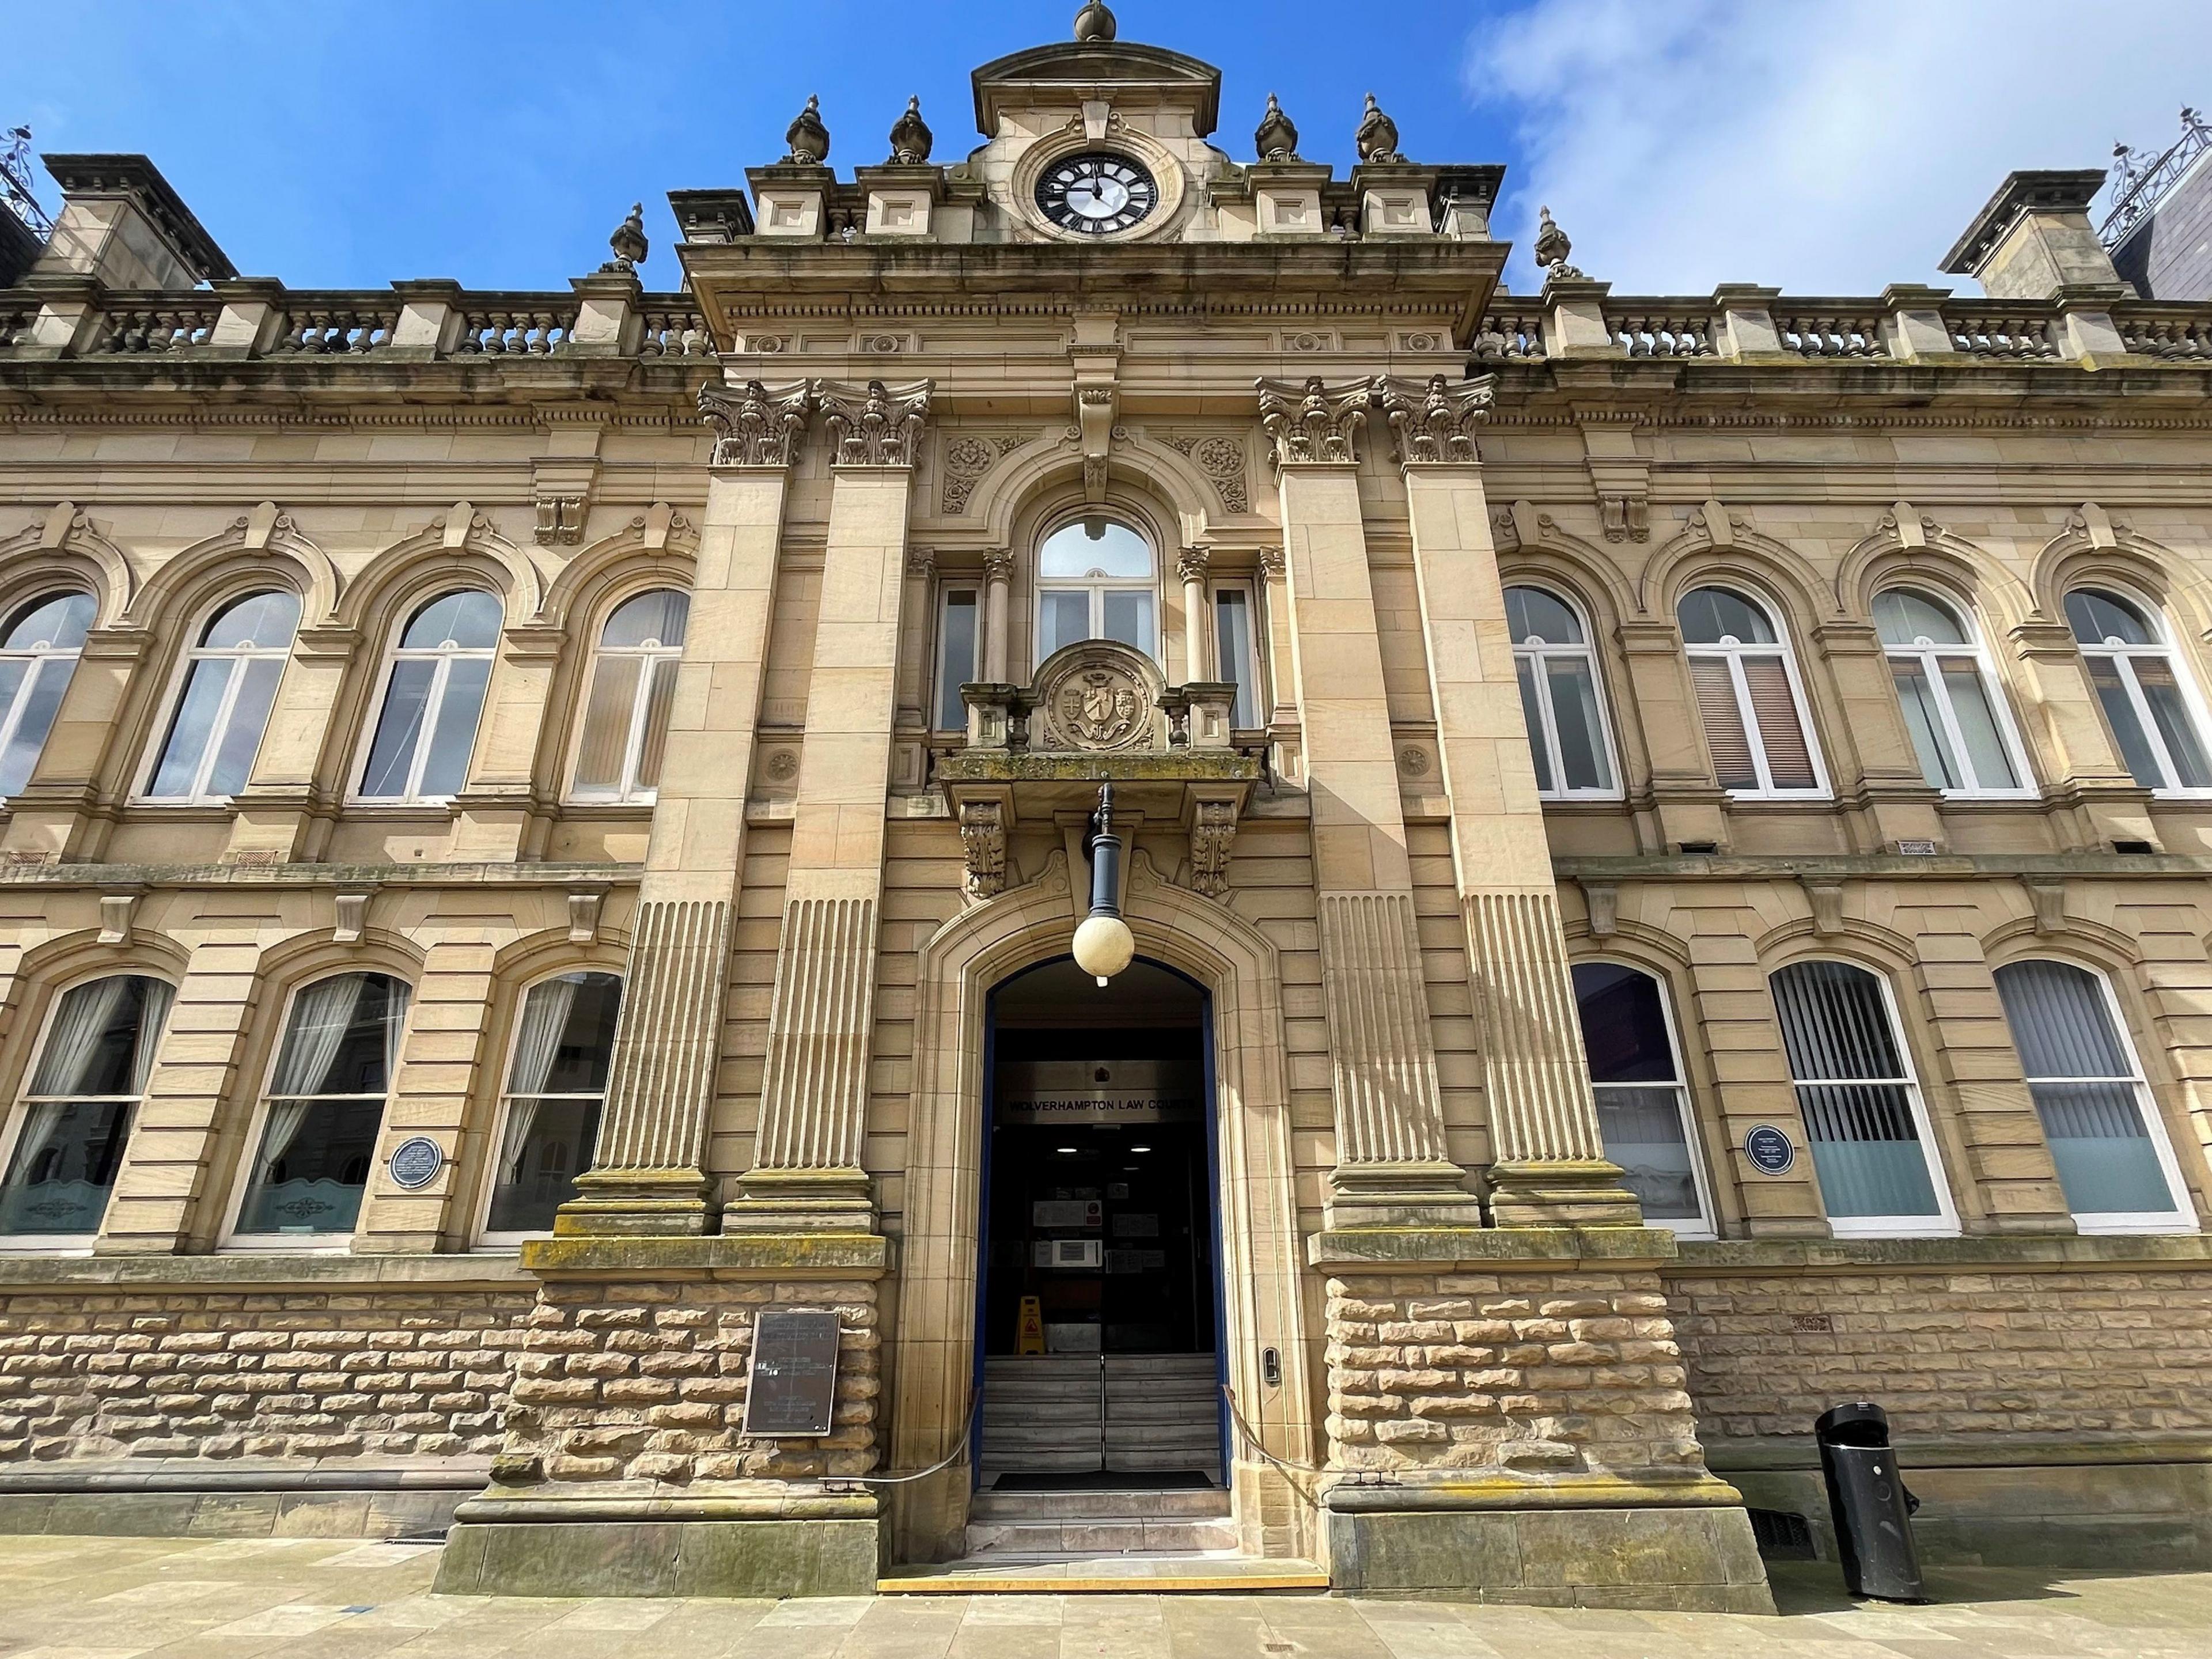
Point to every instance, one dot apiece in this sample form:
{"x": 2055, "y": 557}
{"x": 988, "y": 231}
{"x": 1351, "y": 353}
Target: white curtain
{"x": 321, "y": 1016}
{"x": 544, "y": 1021}
{"x": 285, "y": 1117}
{"x": 153, "y": 1019}
{"x": 73, "y": 1045}
{"x": 39, "y": 1123}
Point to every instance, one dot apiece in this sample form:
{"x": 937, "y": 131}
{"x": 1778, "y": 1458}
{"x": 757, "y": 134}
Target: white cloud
{"x": 1827, "y": 147}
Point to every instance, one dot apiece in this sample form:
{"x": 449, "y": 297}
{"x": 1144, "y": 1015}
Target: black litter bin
{"x": 1873, "y": 1510}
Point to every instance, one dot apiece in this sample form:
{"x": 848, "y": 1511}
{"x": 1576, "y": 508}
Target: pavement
{"x": 124, "y": 1598}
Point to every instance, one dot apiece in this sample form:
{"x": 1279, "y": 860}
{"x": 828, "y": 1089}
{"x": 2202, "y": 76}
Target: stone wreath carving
{"x": 966, "y": 457}
{"x": 1221, "y": 458}
{"x": 1095, "y": 697}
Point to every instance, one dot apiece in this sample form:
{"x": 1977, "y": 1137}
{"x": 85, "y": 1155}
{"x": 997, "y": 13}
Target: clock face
{"x": 1097, "y": 194}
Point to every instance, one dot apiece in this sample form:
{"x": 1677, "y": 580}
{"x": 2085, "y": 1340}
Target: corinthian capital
{"x": 1436, "y": 421}
{"x": 755, "y": 427}
{"x": 1313, "y": 421}
{"x": 875, "y": 427}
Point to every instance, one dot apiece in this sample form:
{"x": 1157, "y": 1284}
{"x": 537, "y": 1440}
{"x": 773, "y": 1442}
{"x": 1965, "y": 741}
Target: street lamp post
{"x": 1103, "y": 946}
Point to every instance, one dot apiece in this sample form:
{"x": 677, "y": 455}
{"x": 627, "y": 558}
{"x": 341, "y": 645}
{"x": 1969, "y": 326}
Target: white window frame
{"x": 975, "y": 592}
{"x": 35, "y": 662}
{"x": 629, "y": 791}
{"x": 1253, "y": 653}
{"x": 2181, "y": 1218}
{"x": 1708, "y": 1224}
{"x": 312, "y": 1244}
{"x": 1945, "y": 1223}
{"x": 1929, "y": 656}
{"x": 507, "y": 1242}
{"x": 2123, "y": 657}
{"x": 181, "y": 676}
{"x": 1549, "y": 737}
{"x": 67, "y": 1243}
{"x": 1734, "y": 654}
{"x": 1095, "y": 589}
{"x": 433, "y": 705}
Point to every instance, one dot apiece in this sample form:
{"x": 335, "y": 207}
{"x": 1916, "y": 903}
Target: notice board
{"x": 791, "y": 1389}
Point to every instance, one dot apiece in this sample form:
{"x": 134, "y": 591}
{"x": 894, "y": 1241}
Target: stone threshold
{"x": 1112, "y": 1575}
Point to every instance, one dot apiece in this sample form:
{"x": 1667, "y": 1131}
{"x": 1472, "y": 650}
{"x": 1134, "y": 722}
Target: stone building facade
{"x": 1666, "y": 839}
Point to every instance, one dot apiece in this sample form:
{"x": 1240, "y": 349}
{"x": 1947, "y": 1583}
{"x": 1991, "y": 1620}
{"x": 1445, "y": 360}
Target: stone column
{"x": 998, "y": 573}
{"x": 1551, "y": 1167}
{"x": 1196, "y": 654}
{"x": 649, "y": 1174}
{"x": 1392, "y": 1166}
{"x": 807, "y": 1172}
{"x": 916, "y": 694}
{"x": 288, "y": 786}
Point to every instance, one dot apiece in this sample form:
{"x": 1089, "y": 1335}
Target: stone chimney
{"x": 2034, "y": 240}
{"x": 123, "y": 226}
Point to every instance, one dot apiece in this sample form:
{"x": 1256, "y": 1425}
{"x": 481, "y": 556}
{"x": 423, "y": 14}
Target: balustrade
{"x": 333, "y": 327}
{"x": 520, "y": 329}
{"x": 2015, "y": 333}
{"x": 1819, "y": 332}
{"x": 1668, "y": 332}
{"x": 674, "y": 330}
{"x": 1510, "y": 334}
{"x": 168, "y": 326}
{"x": 2176, "y": 334}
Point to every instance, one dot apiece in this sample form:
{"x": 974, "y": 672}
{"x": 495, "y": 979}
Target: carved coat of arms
{"x": 1099, "y": 708}
{"x": 1097, "y": 695}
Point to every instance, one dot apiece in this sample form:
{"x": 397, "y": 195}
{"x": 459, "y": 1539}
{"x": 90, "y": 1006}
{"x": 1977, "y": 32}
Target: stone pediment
{"x": 1124, "y": 70}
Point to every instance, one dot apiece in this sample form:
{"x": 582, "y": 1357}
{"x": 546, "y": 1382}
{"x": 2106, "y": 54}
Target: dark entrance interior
{"x": 1100, "y": 1287}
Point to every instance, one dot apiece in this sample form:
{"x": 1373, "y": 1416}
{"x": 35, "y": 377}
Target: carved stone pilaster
{"x": 983, "y": 843}
{"x": 1310, "y": 421}
{"x": 874, "y": 425}
{"x": 755, "y": 427}
{"x": 1436, "y": 421}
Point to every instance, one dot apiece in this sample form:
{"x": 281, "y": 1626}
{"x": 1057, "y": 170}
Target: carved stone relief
{"x": 983, "y": 845}
{"x": 1213, "y": 829}
{"x": 1095, "y": 697}
{"x": 966, "y": 457}
{"x": 1220, "y": 457}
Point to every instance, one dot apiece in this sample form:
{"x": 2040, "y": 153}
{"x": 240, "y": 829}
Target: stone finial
{"x": 879, "y": 427}
{"x": 808, "y": 138}
{"x": 1277, "y": 139}
{"x": 1377, "y": 137}
{"x": 911, "y": 137}
{"x": 1094, "y": 23}
{"x": 1435, "y": 421}
{"x": 629, "y": 242}
{"x": 755, "y": 427}
{"x": 1552, "y": 249}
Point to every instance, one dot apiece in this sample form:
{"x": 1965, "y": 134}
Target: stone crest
{"x": 1098, "y": 695}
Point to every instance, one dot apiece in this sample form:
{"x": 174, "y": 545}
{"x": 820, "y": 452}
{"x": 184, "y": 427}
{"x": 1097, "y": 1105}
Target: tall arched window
{"x": 626, "y": 712}
{"x": 557, "y": 1082}
{"x": 92, "y": 1071}
{"x": 2146, "y": 696}
{"x": 1959, "y": 727}
{"x": 2114, "y": 1163}
{"x": 1560, "y": 695}
{"x": 434, "y": 692}
{"x": 1860, "y": 1105}
{"x": 1096, "y": 581}
{"x": 38, "y": 653}
{"x": 323, "y": 1111}
{"x": 223, "y": 699}
{"x": 1748, "y": 696}
{"x": 1642, "y": 1107}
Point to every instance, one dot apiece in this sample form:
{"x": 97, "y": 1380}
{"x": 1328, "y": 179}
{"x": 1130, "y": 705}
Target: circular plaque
{"x": 416, "y": 1162}
{"x": 1770, "y": 1149}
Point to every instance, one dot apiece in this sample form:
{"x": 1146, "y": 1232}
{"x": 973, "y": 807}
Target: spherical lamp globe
{"x": 1103, "y": 946}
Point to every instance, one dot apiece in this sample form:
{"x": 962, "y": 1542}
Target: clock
{"x": 1097, "y": 193}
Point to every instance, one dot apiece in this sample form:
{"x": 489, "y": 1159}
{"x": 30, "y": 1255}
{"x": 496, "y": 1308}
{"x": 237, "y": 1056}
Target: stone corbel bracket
{"x": 1621, "y": 477}
{"x": 1095, "y": 357}
{"x": 117, "y": 911}
{"x": 754, "y": 426}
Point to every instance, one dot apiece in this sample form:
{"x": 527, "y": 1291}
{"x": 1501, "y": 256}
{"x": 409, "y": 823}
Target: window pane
{"x": 548, "y": 1145}
{"x": 1834, "y": 1024}
{"x": 657, "y": 617}
{"x": 101, "y": 1037}
{"x": 1574, "y": 712}
{"x": 1902, "y": 617}
{"x": 607, "y": 713}
{"x": 1533, "y": 614}
{"x": 1916, "y": 695}
{"x": 468, "y": 620}
{"x": 566, "y": 1034}
{"x": 1789, "y": 757}
{"x": 1062, "y": 619}
{"x": 40, "y": 704}
{"x": 398, "y": 729}
{"x": 1642, "y": 1133}
{"x": 1712, "y": 614}
{"x": 1725, "y": 735}
{"x": 1524, "y": 669}
{"x": 249, "y": 719}
{"x": 343, "y": 1037}
{"x": 64, "y": 1166}
{"x": 267, "y": 620}
{"x": 2096, "y": 617}
{"x": 1129, "y": 617}
{"x": 1865, "y": 1147}
{"x": 1624, "y": 1026}
{"x": 2120, "y": 718}
{"x": 2060, "y": 1022}
{"x": 1232, "y": 643}
{"x": 654, "y": 741}
{"x": 2162, "y": 691}
{"x": 955, "y": 660}
{"x": 455, "y": 735}
{"x": 1972, "y": 706}
{"x": 312, "y": 1166}
{"x": 192, "y": 727}
{"x": 1094, "y": 547}
{"x": 57, "y": 623}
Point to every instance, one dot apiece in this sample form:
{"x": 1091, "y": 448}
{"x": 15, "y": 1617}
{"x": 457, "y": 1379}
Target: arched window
{"x": 38, "y": 653}
{"x": 1748, "y": 696}
{"x": 2147, "y": 701}
{"x": 434, "y": 692}
{"x": 91, "y": 1074}
{"x": 2114, "y": 1163}
{"x": 1560, "y": 695}
{"x": 1959, "y": 727}
{"x": 1642, "y": 1107}
{"x": 1096, "y": 581}
{"x": 626, "y": 711}
{"x": 557, "y": 1082}
{"x": 1860, "y": 1105}
{"x": 223, "y": 700}
{"x": 323, "y": 1109}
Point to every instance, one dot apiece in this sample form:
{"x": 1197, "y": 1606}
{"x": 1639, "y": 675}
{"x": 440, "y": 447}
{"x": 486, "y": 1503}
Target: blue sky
{"x": 1828, "y": 145}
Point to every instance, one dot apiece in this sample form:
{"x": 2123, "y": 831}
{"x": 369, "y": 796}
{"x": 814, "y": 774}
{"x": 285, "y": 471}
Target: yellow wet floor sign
{"x": 1031, "y": 1338}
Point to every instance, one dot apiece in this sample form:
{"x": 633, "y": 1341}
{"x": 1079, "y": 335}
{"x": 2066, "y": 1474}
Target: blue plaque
{"x": 416, "y": 1162}
{"x": 1770, "y": 1149}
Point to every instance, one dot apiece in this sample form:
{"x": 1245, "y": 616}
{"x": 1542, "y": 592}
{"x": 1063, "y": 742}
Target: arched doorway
{"x": 1098, "y": 1293}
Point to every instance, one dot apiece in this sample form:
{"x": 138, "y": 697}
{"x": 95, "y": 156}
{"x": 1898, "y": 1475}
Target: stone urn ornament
{"x": 1276, "y": 138}
{"x": 1094, "y": 24}
{"x": 629, "y": 242}
{"x": 809, "y": 140}
{"x": 911, "y": 137}
{"x": 1377, "y": 137}
{"x": 1552, "y": 249}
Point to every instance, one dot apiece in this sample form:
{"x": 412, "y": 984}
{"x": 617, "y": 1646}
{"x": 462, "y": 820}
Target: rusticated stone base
{"x": 762, "y": 1556}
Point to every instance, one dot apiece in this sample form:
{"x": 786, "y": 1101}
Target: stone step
{"x": 1173, "y": 1503}
{"x": 1110, "y": 1575}
{"x": 1040, "y": 1541}
{"x": 1184, "y": 1437}
{"x": 1163, "y": 1408}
